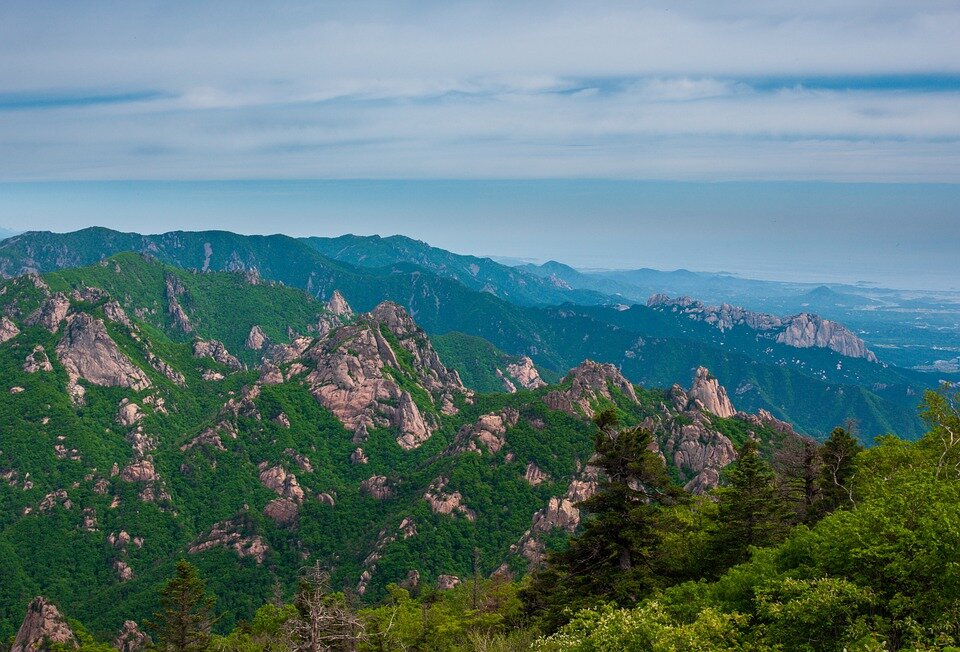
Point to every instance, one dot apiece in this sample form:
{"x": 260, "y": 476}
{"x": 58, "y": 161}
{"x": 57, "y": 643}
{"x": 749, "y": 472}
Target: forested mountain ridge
{"x": 152, "y": 412}
{"x": 814, "y": 388}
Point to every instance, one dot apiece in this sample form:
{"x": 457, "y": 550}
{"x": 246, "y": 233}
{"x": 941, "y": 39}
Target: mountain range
{"x": 152, "y": 411}
{"x": 813, "y": 387}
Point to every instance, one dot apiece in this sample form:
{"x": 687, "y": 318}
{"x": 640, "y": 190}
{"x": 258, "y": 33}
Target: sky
{"x": 771, "y": 138}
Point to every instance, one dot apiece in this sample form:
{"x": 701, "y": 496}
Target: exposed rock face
{"x": 806, "y": 330}
{"x": 171, "y": 374}
{"x": 560, "y": 512}
{"x": 43, "y": 626}
{"x": 141, "y": 471}
{"x": 37, "y": 360}
{"x": 534, "y": 474}
{"x": 124, "y": 572}
{"x": 359, "y": 457}
{"x": 711, "y": 394}
{"x": 338, "y": 306}
{"x": 282, "y": 511}
{"x": 86, "y": 351}
{"x": 697, "y": 450}
{"x": 174, "y": 309}
{"x": 356, "y": 370}
{"x": 283, "y": 483}
{"x": 131, "y": 638}
{"x": 446, "y": 582}
{"x": 115, "y": 313}
{"x": 51, "y": 312}
{"x": 489, "y": 431}
{"x": 525, "y": 374}
{"x": 802, "y": 331}
{"x": 588, "y": 382}
{"x": 217, "y": 352}
{"x": 376, "y": 486}
{"x": 443, "y": 503}
{"x": 256, "y": 339}
{"x": 229, "y": 534}
{"x": 8, "y": 330}
{"x": 129, "y": 414}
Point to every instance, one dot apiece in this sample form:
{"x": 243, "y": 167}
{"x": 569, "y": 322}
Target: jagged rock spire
{"x": 711, "y": 394}
{"x": 337, "y": 305}
{"x": 42, "y": 626}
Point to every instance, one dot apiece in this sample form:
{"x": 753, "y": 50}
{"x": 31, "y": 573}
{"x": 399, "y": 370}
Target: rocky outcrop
{"x": 230, "y": 534}
{"x": 561, "y": 512}
{"x": 8, "y": 330}
{"x": 806, "y": 330}
{"x": 447, "y": 582}
{"x": 338, "y": 306}
{"x": 802, "y": 331}
{"x": 282, "y": 511}
{"x": 51, "y": 312}
{"x": 256, "y": 339}
{"x": 489, "y": 431}
{"x": 283, "y": 483}
{"x": 129, "y": 414}
{"x": 359, "y": 457}
{"x": 446, "y": 503}
{"x": 711, "y": 395}
{"x": 175, "y": 289}
{"x": 131, "y": 638}
{"x": 115, "y": 313}
{"x": 37, "y": 360}
{"x": 534, "y": 474}
{"x": 357, "y": 370}
{"x": 586, "y": 384}
{"x": 376, "y": 487}
{"x": 524, "y": 374}
{"x": 86, "y": 351}
{"x": 217, "y": 352}
{"x": 140, "y": 472}
{"x": 43, "y": 626}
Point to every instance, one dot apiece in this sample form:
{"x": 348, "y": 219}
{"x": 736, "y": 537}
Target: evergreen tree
{"x": 798, "y": 468}
{"x": 750, "y": 510}
{"x": 185, "y": 618}
{"x": 615, "y": 556}
{"x": 837, "y": 470}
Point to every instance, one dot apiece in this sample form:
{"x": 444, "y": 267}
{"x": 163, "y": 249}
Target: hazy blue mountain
{"x": 511, "y": 283}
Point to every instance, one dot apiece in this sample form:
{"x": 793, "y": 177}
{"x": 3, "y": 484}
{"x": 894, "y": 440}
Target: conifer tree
{"x": 185, "y": 618}
{"x": 750, "y": 510}
{"x": 837, "y": 470}
{"x": 615, "y": 555}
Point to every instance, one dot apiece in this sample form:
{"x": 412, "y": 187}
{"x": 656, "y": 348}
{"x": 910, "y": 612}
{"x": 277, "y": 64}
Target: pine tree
{"x": 837, "y": 471}
{"x": 750, "y": 510}
{"x": 615, "y": 555}
{"x": 185, "y": 618}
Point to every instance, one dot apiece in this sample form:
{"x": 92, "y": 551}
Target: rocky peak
{"x": 256, "y": 339}
{"x": 357, "y": 376}
{"x": 801, "y": 331}
{"x": 43, "y": 626}
{"x": 8, "y": 330}
{"x": 588, "y": 382}
{"x": 216, "y": 351}
{"x": 522, "y": 373}
{"x": 338, "y": 306}
{"x": 711, "y": 394}
{"x": 131, "y": 638}
{"x": 806, "y": 330}
{"x": 175, "y": 289}
{"x": 51, "y": 312}
{"x": 86, "y": 351}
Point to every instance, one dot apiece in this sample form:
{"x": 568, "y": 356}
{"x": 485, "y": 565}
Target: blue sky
{"x": 852, "y": 100}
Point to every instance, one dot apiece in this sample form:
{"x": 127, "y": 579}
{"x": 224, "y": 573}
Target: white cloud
{"x": 462, "y": 89}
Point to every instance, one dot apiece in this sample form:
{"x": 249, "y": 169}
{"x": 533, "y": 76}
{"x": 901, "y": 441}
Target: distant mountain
{"x": 483, "y": 274}
{"x": 7, "y": 233}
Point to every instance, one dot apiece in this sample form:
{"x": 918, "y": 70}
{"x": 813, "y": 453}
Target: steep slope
{"x": 337, "y": 436}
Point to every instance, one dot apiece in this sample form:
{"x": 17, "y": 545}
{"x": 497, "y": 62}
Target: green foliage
{"x": 185, "y": 618}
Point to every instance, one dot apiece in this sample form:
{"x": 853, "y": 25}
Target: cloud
{"x": 702, "y": 90}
